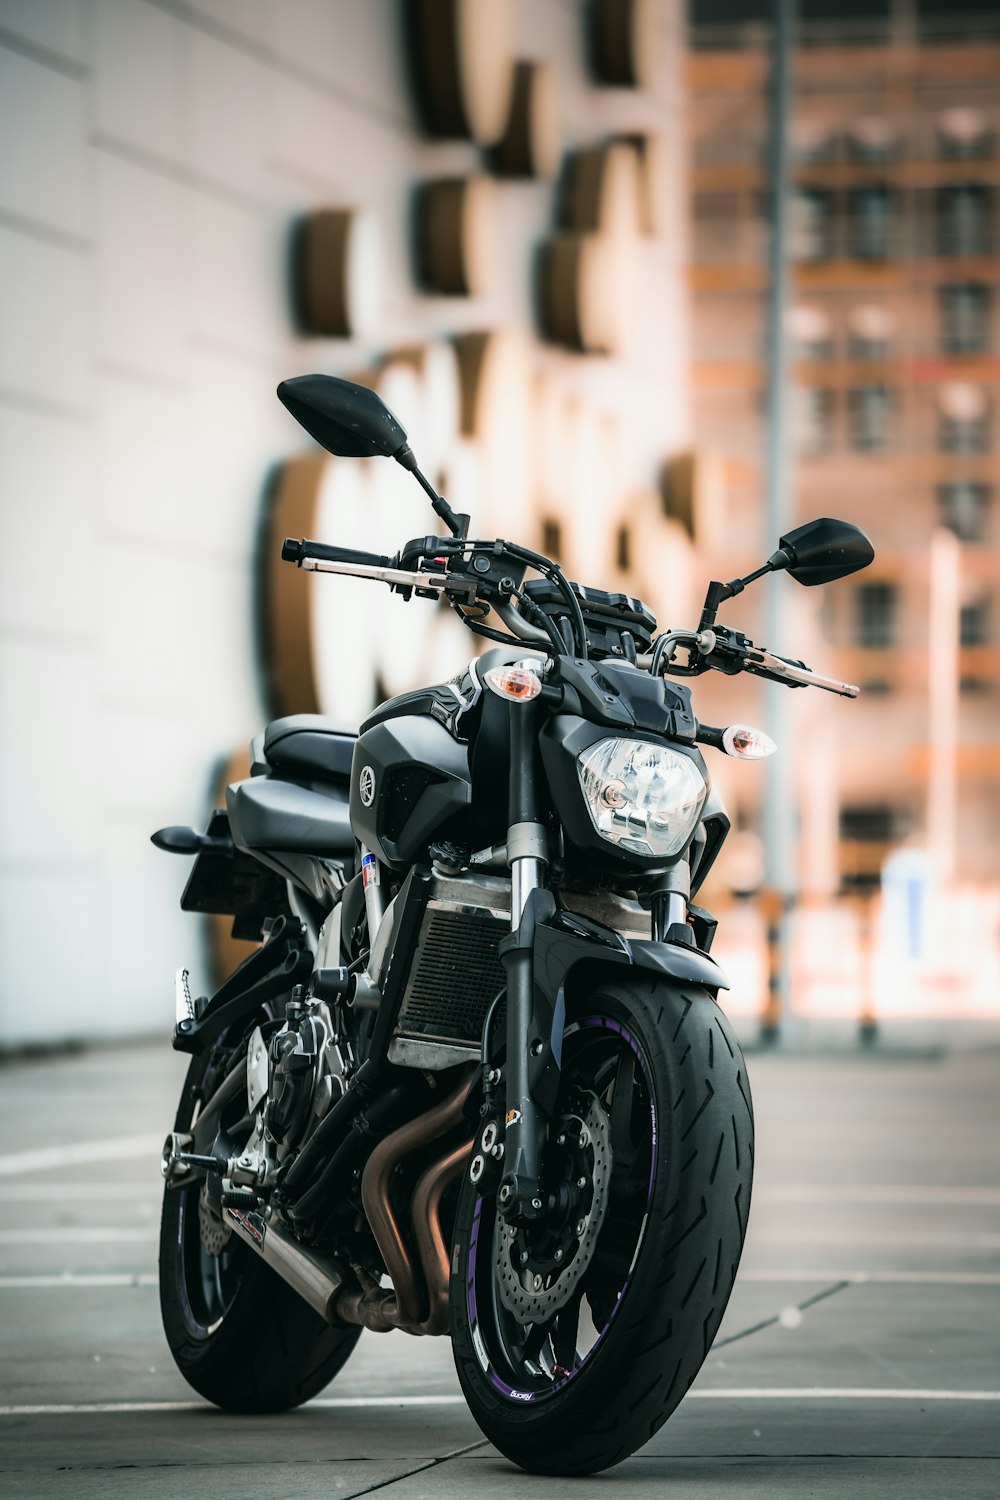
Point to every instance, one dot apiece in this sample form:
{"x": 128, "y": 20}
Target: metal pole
{"x": 779, "y": 800}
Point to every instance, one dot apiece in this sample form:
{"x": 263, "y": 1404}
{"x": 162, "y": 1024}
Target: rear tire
{"x": 239, "y": 1335}
{"x": 666, "y": 1254}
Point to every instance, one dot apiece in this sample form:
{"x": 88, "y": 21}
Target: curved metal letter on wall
{"x": 623, "y": 42}
{"x": 291, "y": 677}
{"x": 464, "y": 67}
{"x": 337, "y": 273}
{"x": 455, "y": 234}
{"x": 530, "y": 143}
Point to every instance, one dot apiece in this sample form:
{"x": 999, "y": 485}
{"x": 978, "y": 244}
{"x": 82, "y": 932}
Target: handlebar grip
{"x": 293, "y": 550}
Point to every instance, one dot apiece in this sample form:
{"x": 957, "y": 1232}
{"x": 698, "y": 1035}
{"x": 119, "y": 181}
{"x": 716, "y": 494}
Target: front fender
{"x": 566, "y": 941}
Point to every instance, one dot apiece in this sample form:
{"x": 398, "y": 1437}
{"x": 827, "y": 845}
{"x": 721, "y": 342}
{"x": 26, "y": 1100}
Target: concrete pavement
{"x": 860, "y": 1354}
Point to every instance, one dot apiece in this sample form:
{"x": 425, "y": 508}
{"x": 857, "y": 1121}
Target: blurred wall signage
{"x": 519, "y": 447}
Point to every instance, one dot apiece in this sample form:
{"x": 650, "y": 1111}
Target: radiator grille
{"x": 456, "y": 974}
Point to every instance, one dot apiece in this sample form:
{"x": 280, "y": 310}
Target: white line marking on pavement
{"x": 794, "y": 1193}
{"x": 876, "y": 1239}
{"x": 81, "y": 1153}
{"x": 834, "y": 1393}
{"x": 360, "y": 1403}
{"x": 889, "y": 1278}
{"x": 99, "y": 1408}
{"x": 67, "y": 1234}
{"x": 82, "y": 1278}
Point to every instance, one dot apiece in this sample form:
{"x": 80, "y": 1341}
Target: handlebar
{"x": 713, "y": 648}
{"x": 294, "y": 550}
{"x": 766, "y": 664}
{"x": 315, "y": 557}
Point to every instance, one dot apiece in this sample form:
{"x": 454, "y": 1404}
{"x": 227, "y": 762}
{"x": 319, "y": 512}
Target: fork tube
{"x": 520, "y": 1190}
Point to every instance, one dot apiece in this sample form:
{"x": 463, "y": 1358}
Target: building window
{"x": 811, "y": 420}
{"x": 964, "y": 434}
{"x": 813, "y": 140}
{"x": 811, "y": 224}
{"x": 872, "y": 823}
{"x": 964, "y": 134}
{"x": 623, "y": 548}
{"x": 870, "y": 418}
{"x": 964, "y": 219}
{"x": 872, "y": 138}
{"x": 871, "y": 328}
{"x": 870, "y": 216}
{"x": 965, "y": 310}
{"x": 974, "y": 623}
{"x": 810, "y": 330}
{"x": 964, "y": 417}
{"x": 875, "y": 615}
{"x": 963, "y": 508}
{"x": 716, "y": 228}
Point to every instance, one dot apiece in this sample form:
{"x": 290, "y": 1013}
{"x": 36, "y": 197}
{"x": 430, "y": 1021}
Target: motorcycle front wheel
{"x": 574, "y": 1341}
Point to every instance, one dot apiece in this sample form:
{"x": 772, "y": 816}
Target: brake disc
{"x": 533, "y": 1297}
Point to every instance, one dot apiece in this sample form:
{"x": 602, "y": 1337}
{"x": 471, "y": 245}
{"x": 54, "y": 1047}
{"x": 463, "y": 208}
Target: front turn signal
{"x": 519, "y": 683}
{"x": 746, "y": 743}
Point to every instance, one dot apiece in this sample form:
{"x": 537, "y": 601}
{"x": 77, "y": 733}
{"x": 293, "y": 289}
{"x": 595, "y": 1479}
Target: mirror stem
{"x": 458, "y": 525}
{"x": 718, "y": 593}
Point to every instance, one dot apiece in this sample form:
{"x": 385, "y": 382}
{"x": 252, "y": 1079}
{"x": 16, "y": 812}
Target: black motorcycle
{"x": 475, "y": 1079}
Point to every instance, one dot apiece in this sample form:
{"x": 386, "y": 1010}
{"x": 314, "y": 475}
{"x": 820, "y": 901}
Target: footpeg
{"x": 183, "y": 1003}
{"x": 177, "y": 1162}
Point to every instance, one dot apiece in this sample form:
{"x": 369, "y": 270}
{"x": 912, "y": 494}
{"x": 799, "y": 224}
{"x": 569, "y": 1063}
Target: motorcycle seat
{"x": 311, "y": 746}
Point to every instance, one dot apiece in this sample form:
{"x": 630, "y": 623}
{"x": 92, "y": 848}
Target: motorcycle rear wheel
{"x": 239, "y": 1335}
{"x": 580, "y": 1390}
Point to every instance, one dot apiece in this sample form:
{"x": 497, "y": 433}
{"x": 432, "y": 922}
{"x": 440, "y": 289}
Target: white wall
{"x": 152, "y": 157}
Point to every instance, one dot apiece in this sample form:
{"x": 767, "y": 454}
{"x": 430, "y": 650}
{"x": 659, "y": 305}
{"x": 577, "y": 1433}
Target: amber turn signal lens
{"x": 514, "y": 682}
{"x": 747, "y": 743}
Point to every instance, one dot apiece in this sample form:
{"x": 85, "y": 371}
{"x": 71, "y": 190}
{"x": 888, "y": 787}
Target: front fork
{"x": 534, "y": 1032}
{"x": 535, "y": 1023}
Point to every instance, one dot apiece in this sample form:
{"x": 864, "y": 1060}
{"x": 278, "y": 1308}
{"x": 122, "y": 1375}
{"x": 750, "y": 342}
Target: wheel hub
{"x": 540, "y": 1265}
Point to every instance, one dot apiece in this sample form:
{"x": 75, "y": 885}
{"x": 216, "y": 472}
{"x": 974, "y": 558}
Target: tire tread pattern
{"x": 687, "y": 1265}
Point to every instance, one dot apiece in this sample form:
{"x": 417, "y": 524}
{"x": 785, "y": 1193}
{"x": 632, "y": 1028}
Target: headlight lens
{"x": 645, "y": 798}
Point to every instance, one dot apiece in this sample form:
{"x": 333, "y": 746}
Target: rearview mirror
{"x": 346, "y": 419}
{"x": 821, "y": 551}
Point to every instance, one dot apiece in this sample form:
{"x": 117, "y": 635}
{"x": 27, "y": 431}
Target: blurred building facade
{"x": 159, "y": 162}
{"x": 895, "y": 402}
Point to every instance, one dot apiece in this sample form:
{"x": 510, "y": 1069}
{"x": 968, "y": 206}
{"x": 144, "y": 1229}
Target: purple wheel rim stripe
{"x": 512, "y": 1393}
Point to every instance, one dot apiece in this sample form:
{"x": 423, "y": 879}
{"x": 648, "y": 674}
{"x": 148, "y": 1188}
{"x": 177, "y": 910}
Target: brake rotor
{"x": 534, "y": 1295}
{"x": 215, "y": 1235}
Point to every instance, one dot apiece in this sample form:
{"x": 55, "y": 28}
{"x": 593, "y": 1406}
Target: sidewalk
{"x": 860, "y": 1355}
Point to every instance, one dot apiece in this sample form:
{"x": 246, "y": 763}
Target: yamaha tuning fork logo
{"x": 366, "y": 785}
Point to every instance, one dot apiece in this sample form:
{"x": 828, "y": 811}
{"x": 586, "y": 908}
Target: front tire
{"x": 238, "y": 1334}
{"x": 583, "y": 1390}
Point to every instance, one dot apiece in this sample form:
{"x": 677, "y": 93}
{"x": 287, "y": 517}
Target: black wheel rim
{"x": 207, "y": 1284}
{"x": 535, "y": 1362}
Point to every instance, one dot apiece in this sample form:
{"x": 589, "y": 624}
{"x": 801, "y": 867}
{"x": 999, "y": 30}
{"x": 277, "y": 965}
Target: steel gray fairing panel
{"x": 392, "y": 746}
{"x": 266, "y": 814}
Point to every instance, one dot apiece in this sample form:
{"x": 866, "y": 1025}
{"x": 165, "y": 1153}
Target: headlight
{"x": 645, "y": 798}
